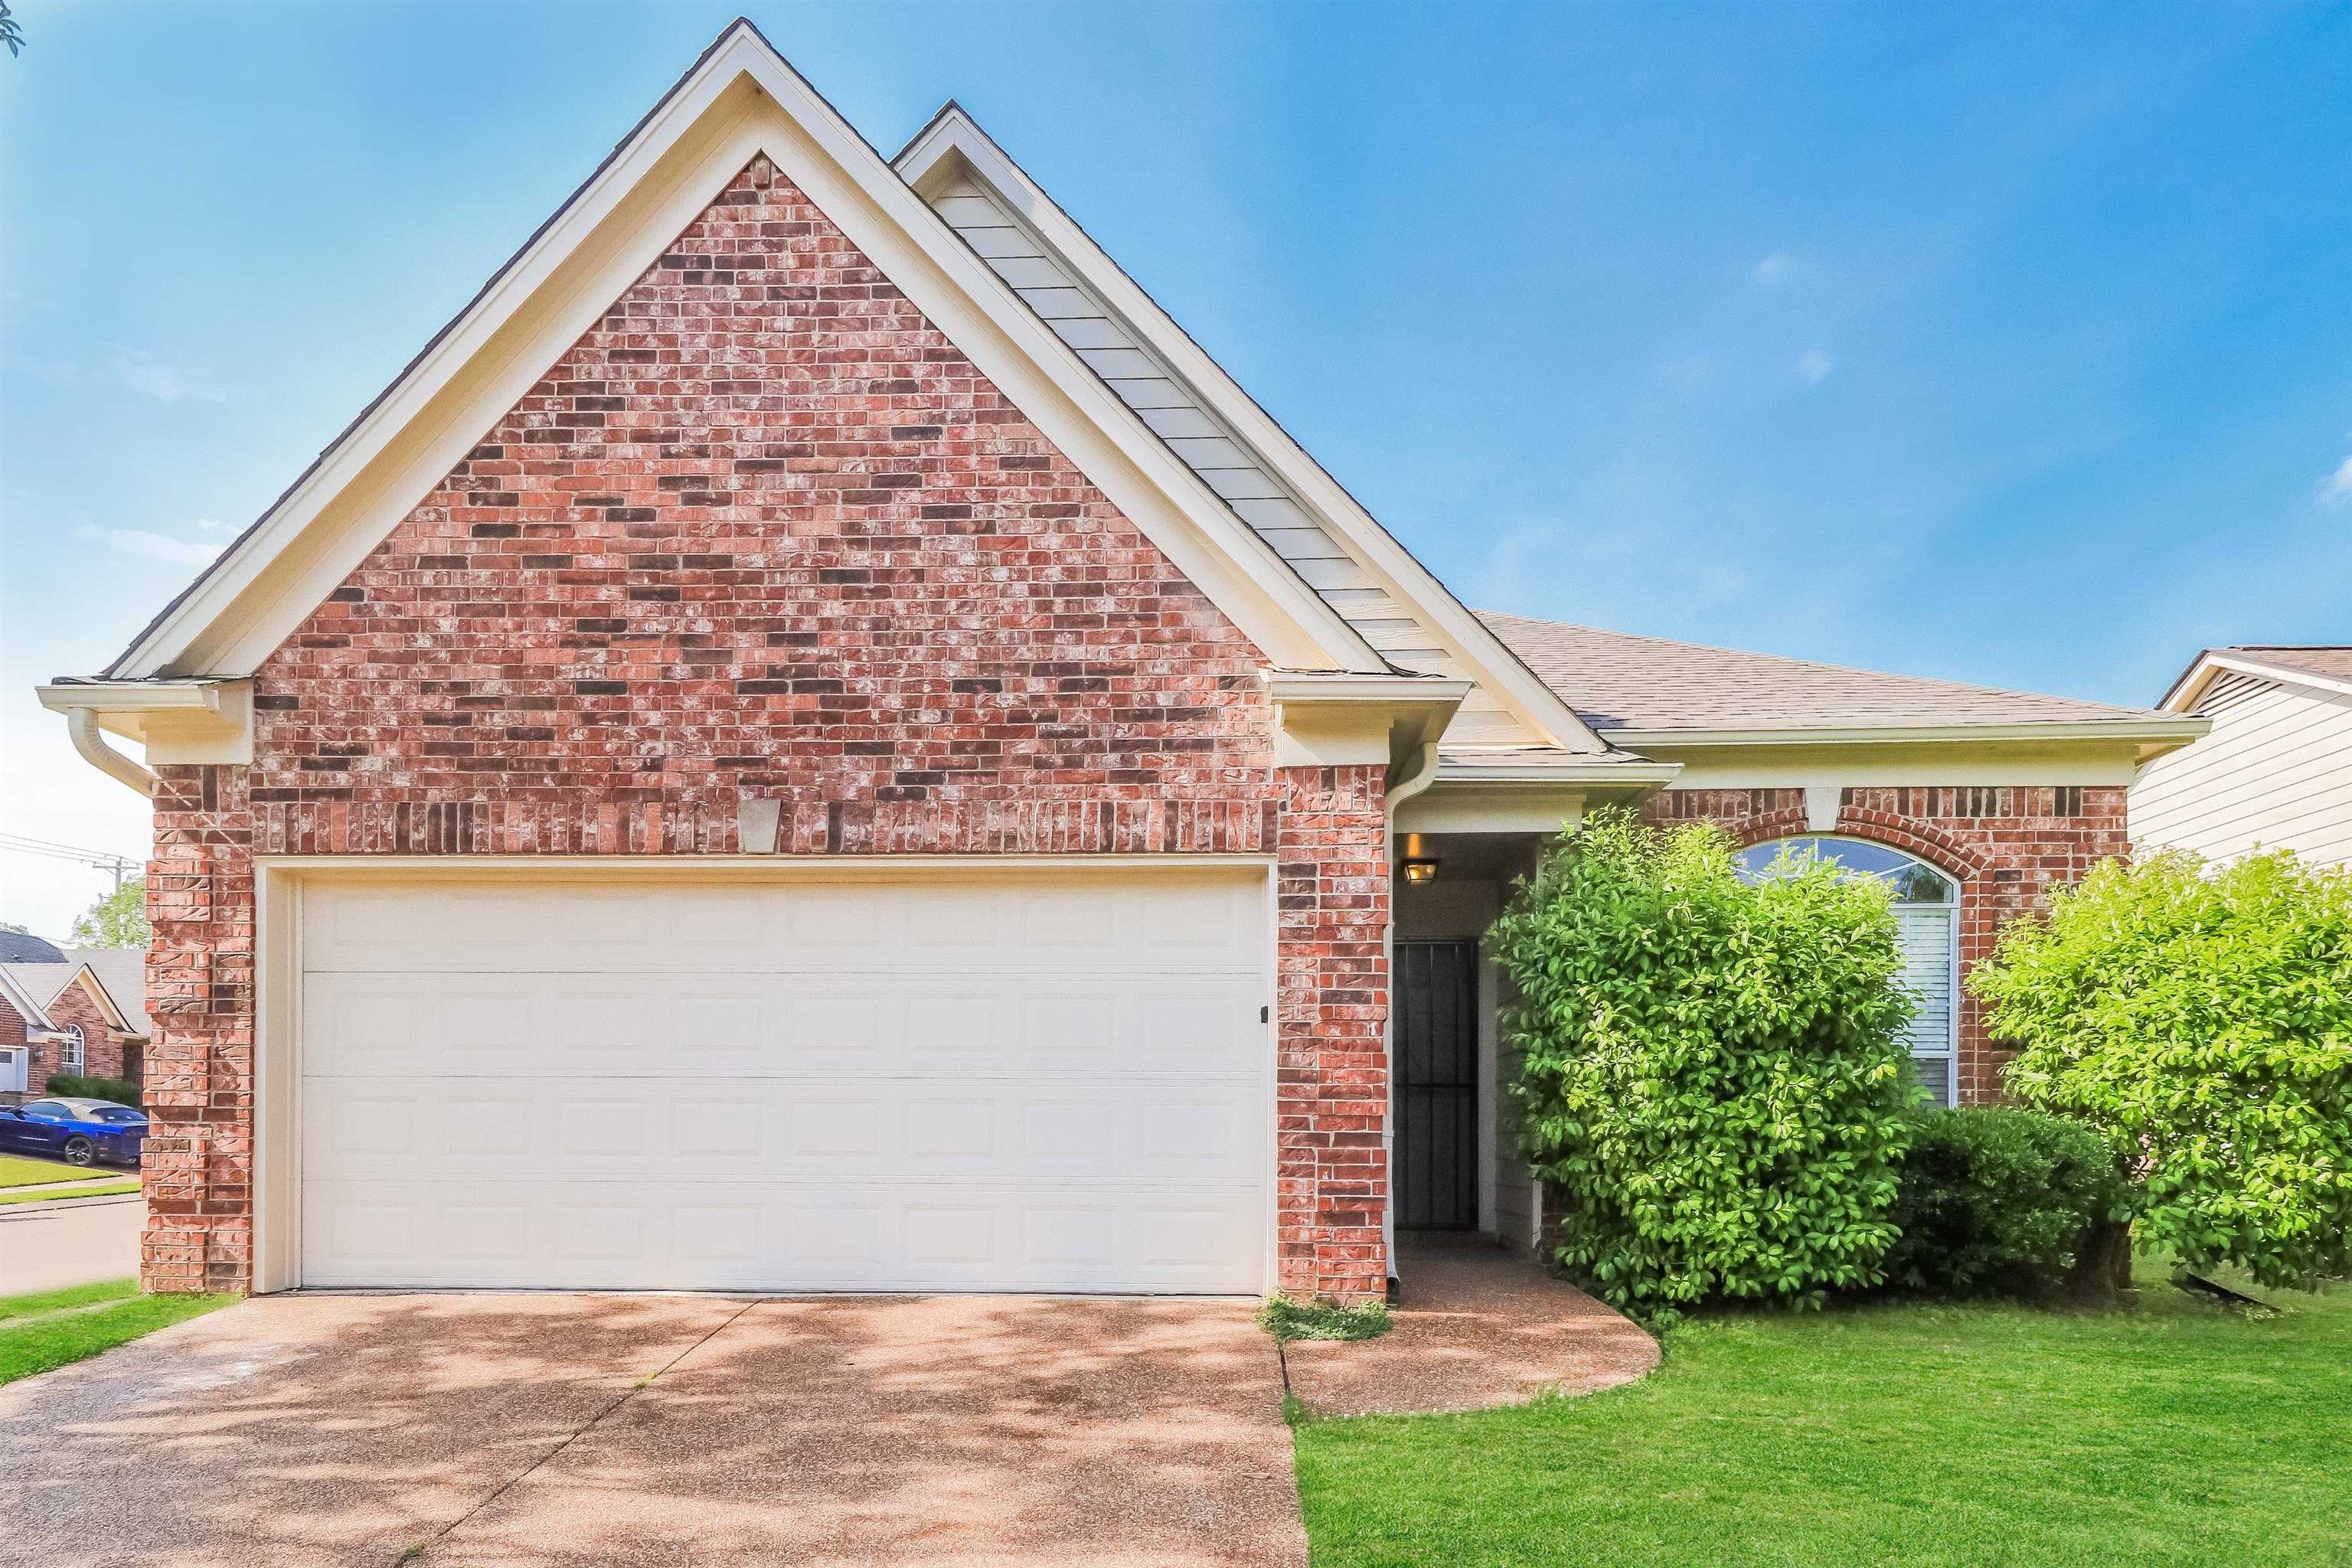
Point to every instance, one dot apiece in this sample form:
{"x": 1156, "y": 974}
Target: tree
{"x": 1712, "y": 1072}
{"x": 2200, "y": 1018}
{"x": 13, "y": 928}
{"x": 119, "y": 920}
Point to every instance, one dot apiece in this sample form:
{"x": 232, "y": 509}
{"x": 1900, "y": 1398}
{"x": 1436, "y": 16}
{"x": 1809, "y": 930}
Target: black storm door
{"x": 1437, "y": 1001}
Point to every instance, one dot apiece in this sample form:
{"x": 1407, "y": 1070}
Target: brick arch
{"x": 1909, "y": 835}
{"x": 1913, "y": 837}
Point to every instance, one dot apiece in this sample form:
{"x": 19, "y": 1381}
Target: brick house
{"x": 68, "y": 1010}
{"x": 813, "y": 739}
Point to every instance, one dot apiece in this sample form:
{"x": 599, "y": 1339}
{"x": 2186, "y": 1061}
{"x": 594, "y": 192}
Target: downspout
{"x": 1419, "y": 777}
{"x": 81, "y": 725}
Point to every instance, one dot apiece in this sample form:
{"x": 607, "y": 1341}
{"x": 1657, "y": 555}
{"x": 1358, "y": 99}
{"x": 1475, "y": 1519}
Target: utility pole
{"x": 117, "y": 864}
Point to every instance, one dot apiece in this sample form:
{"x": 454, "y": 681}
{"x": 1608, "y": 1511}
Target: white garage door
{"x": 1006, "y": 1083}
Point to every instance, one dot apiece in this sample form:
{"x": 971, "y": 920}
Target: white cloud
{"x": 210, "y": 524}
{"x": 1812, "y": 366}
{"x": 150, "y": 546}
{"x": 2337, "y": 486}
{"x": 1774, "y": 268}
{"x": 166, "y": 382}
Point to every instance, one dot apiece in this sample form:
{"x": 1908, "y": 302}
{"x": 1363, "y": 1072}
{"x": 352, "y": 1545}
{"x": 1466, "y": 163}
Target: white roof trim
{"x": 1583, "y": 776}
{"x": 2214, "y": 661}
{"x": 954, "y": 138}
{"x": 2142, "y": 730}
{"x": 739, "y": 100}
{"x": 35, "y": 1014}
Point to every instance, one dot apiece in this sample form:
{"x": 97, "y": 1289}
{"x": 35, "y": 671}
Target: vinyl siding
{"x": 2275, "y": 771}
{"x": 1217, "y": 454}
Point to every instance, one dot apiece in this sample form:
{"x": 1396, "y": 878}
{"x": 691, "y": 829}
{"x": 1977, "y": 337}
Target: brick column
{"x": 1332, "y": 1069}
{"x": 198, "y": 1158}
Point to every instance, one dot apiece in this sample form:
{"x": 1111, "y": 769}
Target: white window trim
{"x": 75, "y": 1058}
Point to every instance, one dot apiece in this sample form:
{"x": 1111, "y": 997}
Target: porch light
{"x": 1419, "y": 873}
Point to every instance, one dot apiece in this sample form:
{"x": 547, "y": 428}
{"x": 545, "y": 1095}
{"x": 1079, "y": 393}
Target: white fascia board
{"x": 1293, "y": 686}
{"x": 36, "y": 1016}
{"x": 741, "y": 100}
{"x": 2191, "y": 686}
{"x": 1344, "y": 721}
{"x": 954, "y": 138}
{"x": 1598, "y": 775}
{"x": 176, "y": 721}
{"x": 2144, "y": 731}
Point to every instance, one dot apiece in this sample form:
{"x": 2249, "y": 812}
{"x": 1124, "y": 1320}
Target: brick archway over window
{"x": 2005, "y": 845}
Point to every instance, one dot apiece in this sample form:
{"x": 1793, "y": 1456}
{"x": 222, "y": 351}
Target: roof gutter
{"x": 2181, "y": 730}
{"x": 192, "y": 719}
{"x": 81, "y": 727}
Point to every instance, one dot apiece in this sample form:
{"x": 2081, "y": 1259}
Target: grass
{"x": 111, "y": 1189}
{"x": 1932, "y": 1437}
{"x": 43, "y": 1332}
{"x": 16, "y": 1170}
{"x": 1287, "y": 1319}
{"x": 42, "y": 1302}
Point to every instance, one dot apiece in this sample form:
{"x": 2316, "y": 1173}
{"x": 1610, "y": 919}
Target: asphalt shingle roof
{"x": 123, "y": 971}
{"x": 2334, "y": 662}
{"x": 1615, "y": 681}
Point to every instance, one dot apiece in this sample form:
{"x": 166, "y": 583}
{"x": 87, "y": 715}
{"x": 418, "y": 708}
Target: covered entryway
{"x": 998, "y": 1079}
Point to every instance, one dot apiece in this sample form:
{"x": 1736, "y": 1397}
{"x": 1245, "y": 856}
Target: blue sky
{"x": 2009, "y": 344}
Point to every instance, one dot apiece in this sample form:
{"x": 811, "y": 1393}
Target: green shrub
{"x": 72, "y": 1085}
{"x": 1289, "y": 1319}
{"x": 1712, "y": 1073}
{"x": 2200, "y": 1017}
{"x": 1997, "y": 1200}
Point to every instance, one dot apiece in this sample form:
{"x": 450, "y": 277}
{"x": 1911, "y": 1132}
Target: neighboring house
{"x": 2275, "y": 771}
{"x": 814, "y": 740}
{"x": 69, "y": 1010}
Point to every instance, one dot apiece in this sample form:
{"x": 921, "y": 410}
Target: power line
{"x": 117, "y": 864}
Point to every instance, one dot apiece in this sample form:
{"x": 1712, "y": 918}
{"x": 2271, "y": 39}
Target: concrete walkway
{"x": 69, "y": 1241}
{"x": 1476, "y": 1327}
{"x": 538, "y": 1431}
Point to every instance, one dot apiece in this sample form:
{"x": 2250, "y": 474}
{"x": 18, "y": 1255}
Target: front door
{"x": 1436, "y": 1002}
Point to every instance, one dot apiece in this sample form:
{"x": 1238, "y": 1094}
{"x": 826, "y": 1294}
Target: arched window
{"x": 1927, "y": 904}
{"x": 74, "y": 1055}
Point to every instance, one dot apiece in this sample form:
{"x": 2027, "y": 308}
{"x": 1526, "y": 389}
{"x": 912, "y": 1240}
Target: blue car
{"x": 79, "y": 1132}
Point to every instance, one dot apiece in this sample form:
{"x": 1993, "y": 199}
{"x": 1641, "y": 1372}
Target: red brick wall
{"x": 2007, "y": 846}
{"x": 764, "y": 532}
{"x": 1332, "y": 892}
{"x": 101, "y": 1055}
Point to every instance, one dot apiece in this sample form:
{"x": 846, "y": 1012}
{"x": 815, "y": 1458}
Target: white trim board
{"x": 2185, "y": 692}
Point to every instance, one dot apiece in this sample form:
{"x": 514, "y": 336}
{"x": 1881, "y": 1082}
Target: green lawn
{"x": 16, "y": 1170}
{"x": 111, "y": 1189}
{"x": 1980, "y": 1436}
{"x": 41, "y": 1331}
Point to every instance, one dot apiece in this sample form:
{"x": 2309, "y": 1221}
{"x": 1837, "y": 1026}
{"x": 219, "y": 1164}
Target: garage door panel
{"x": 1164, "y": 1127}
{"x": 1011, "y": 1084}
{"x": 448, "y": 1024}
{"x": 964, "y": 1237}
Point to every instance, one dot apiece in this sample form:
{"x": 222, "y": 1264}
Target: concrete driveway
{"x": 674, "y": 1430}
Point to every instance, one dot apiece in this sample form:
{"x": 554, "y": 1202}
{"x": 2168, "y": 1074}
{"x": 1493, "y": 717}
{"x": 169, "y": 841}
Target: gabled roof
{"x": 737, "y": 100}
{"x": 1207, "y": 419}
{"x": 2324, "y": 666}
{"x": 1639, "y": 691}
{"x": 116, "y": 978}
{"x": 122, "y": 971}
